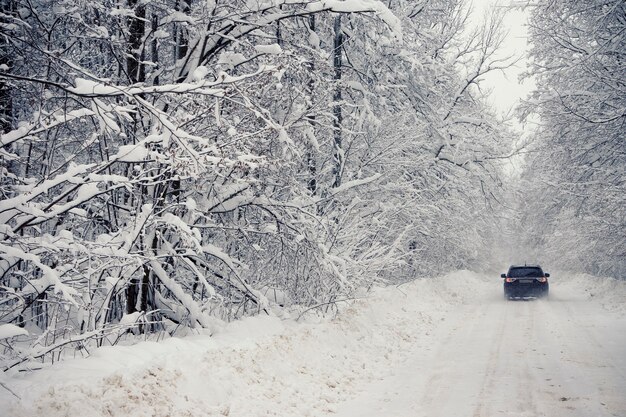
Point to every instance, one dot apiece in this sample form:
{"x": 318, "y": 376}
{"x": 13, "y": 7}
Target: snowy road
{"x": 442, "y": 347}
{"x": 492, "y": 358}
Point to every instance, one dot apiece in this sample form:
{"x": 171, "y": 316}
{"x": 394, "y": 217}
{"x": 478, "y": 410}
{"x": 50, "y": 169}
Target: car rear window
{"x": 525, "y": 272}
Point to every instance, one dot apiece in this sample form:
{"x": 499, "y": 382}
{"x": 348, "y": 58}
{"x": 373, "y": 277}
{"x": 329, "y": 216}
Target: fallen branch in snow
{"x": 328, "y": 303}
{"x": 8, "y": 389}
{"x": 131, "y": 322}
{"x": 48, "y": 349}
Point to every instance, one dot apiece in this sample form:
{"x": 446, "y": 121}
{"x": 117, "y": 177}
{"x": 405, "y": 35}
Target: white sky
{"x": 505, "y": 85}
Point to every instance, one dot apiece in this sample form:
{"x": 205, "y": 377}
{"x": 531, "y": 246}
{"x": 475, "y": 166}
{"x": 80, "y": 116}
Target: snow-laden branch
{"x": 355, "y": 183}
{"x": 360, "y": 6}
{"x": 50, "y": 277}
{"x": 206, "y": 47}
{"x": 31, "y": 129}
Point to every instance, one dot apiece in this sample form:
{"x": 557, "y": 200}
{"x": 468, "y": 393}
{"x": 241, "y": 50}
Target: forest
{"x": 168, "y": 165}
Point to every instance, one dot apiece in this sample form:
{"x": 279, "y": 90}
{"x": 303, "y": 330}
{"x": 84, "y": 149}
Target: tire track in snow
{"x": 569, "y": 371}
{"x": 592, "y": 362}
{"x": 508, "y": 380}
{"x": 482, "y": 409}
{"x": 437, "y": 390}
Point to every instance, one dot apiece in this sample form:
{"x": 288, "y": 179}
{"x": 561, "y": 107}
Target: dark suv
{"x": 525, "y": 281}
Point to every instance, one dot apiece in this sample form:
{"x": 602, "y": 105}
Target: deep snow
{"x": 448, "y": 346}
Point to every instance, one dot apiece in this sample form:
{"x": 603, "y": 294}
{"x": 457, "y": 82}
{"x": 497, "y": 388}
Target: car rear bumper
{"x": 516, "y": 289}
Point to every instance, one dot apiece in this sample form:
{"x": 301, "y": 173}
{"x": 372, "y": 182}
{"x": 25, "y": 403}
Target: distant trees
{"x": 418, "y": 120}
{"x": 168, "y": 163}
{"x": 575, "y": 191}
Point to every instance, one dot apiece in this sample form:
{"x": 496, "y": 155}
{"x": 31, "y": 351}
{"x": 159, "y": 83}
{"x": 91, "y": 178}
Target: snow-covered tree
{"x": 168, "y": 163}
{"x": 575, "y": 190}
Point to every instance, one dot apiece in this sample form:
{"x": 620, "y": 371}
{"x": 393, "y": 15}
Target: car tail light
{"x": 510, "y": 279}
{"x": 543, "y": 279}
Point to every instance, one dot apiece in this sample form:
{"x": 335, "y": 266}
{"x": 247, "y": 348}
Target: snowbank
{"x": 609, "y": 292}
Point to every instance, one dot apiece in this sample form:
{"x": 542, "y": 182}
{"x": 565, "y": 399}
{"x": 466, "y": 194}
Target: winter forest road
{"x": 491, "y": 358}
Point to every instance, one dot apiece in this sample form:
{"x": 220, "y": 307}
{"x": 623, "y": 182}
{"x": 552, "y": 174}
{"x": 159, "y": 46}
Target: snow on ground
{"x": 447, "y": 346}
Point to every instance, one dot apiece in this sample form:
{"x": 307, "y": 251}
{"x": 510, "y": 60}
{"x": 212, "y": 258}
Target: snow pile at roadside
{"x": 260, "y": 366}
{"x": 609, "y": 292}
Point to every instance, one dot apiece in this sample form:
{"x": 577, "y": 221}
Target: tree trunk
{"x": 7, "y": 8}
{"x": 279, "y": 36}
{"x": 136, "y": 73}
{"x": 182, "y": 38}
{"x": 155, "y": 47}
{"x": 338, "y": 156}
{"x": 310, "y": 157}
{"x": 137, "y": 29}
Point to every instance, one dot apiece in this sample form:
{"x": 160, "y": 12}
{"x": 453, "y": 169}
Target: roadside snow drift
{"x": 267, "y": 366}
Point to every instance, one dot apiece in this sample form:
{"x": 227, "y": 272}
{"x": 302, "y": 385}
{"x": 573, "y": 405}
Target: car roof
{"x": 524, "y": 266}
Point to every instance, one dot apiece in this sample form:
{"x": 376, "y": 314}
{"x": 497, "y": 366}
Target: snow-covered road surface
{"x": 450, "y": 346}
{"x": 491, "y": 358}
